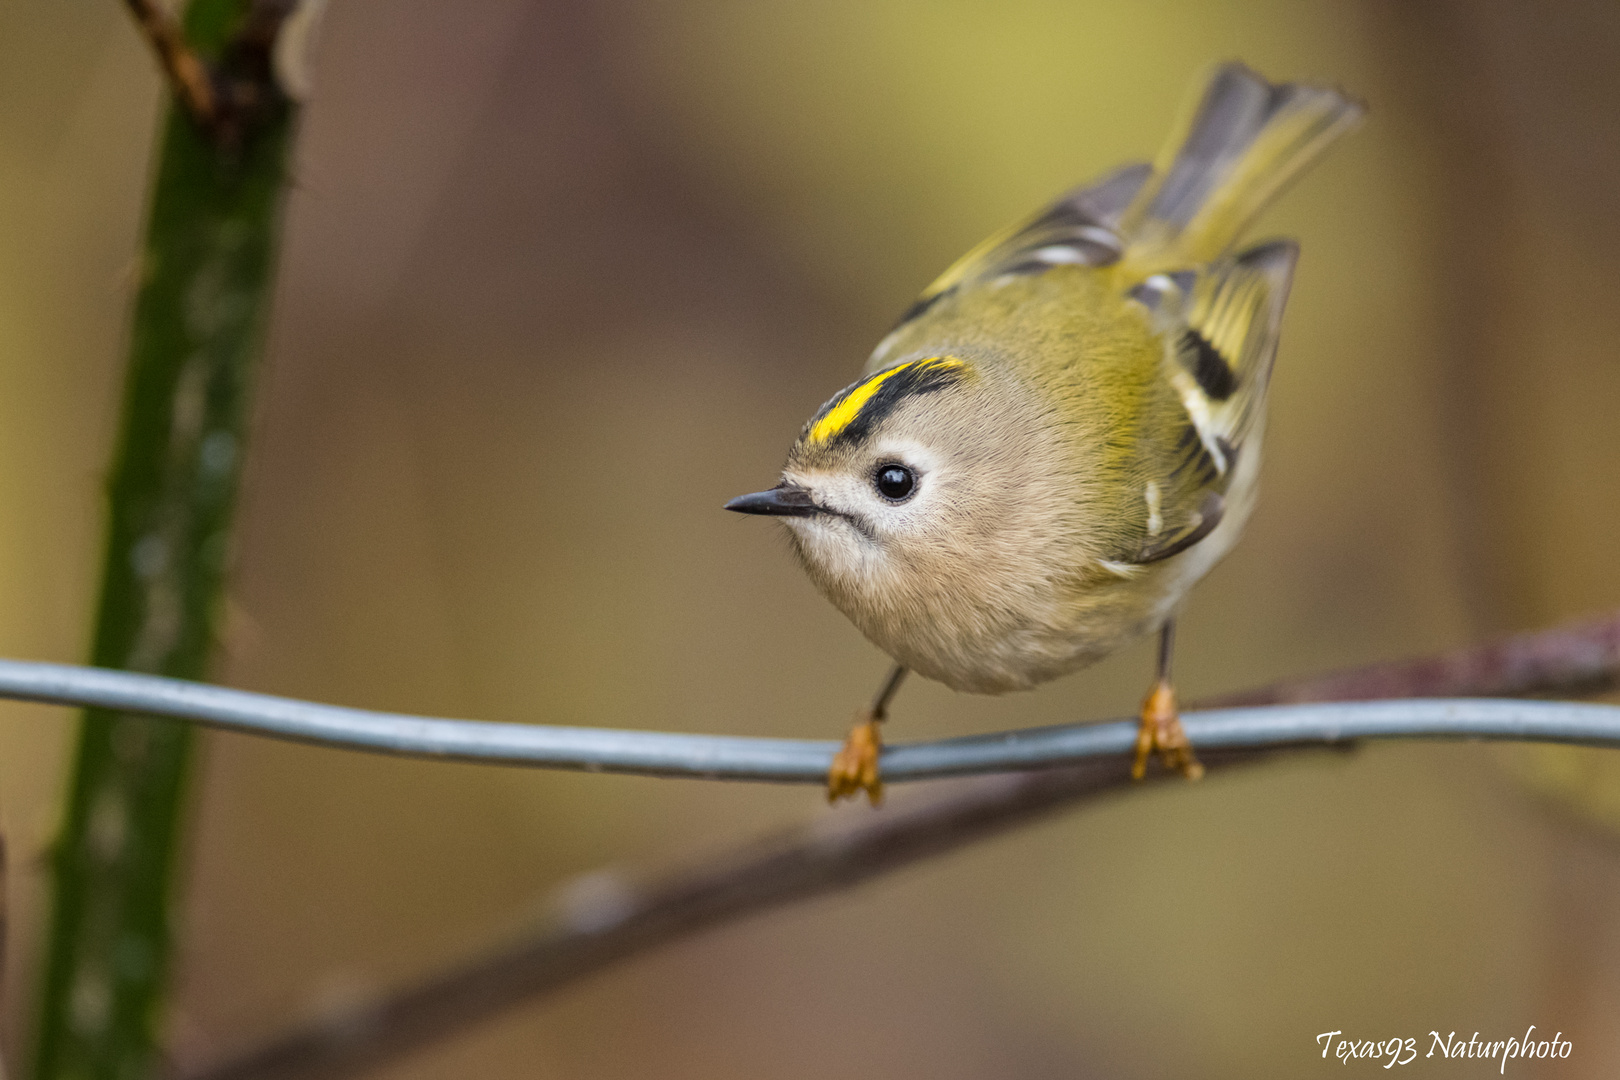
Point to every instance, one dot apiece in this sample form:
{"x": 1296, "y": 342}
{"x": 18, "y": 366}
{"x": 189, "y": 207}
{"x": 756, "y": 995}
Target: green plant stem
{"x": 204, "y": 294}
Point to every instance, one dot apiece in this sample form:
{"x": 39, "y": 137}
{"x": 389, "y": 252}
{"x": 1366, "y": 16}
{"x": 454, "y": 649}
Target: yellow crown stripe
{"x": 843, "y": 414}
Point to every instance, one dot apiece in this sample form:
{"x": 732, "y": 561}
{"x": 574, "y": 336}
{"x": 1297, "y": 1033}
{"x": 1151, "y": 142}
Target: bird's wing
{"x": 1079, "y": 229}
{"x": 1241, "y": 143}
{"x": 1219, "y": 325}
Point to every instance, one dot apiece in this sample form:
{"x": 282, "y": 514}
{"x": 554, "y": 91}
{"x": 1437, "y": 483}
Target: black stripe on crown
{"x": 894, "y": 385}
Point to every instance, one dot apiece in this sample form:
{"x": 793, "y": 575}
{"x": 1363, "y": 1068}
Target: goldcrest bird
{"x": 1062, "y": 434}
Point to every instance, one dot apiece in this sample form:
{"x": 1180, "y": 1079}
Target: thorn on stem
{"x": 227, "y": 100}
{"x": 188, "y": 75}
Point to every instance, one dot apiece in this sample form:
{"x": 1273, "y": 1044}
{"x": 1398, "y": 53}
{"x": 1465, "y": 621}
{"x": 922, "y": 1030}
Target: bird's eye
{"x": 895, "y": 482}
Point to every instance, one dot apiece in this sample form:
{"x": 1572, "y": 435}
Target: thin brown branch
{"x": 5, "y": 934}
{"x": 1576, "y": 659}
{"x": 615, "y": 917}
{"x": 618, "y": 917}
{"x": 188, "y": 74}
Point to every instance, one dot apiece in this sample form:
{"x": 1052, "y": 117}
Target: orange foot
{"x": 855, "y": 768}
{"x": 1161, "y": 730}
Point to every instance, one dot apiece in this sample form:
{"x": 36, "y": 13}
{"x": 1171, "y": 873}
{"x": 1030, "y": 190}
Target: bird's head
{"x": 918, "y": 497}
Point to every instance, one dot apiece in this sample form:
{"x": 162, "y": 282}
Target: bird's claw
{"x": 1161, "y": 732}
{"x": 855, "y": 766}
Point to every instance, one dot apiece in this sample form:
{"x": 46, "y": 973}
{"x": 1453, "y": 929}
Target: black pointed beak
{"x": 783, "y": 500}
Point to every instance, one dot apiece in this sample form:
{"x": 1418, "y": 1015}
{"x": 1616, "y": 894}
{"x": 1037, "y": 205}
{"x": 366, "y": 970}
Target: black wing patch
{"x": 1212, "y": 370}
{"x": 1195, "y": 467}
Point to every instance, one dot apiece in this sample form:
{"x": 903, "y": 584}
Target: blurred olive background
{"x": 561, "y": 277}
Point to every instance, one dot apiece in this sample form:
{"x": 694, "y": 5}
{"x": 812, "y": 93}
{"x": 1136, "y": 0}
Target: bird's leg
{"x": 1161, "y": 721}
{"x": 855, "y": 766}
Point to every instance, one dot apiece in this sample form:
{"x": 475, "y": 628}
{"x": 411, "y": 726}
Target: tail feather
{"x": 1230, "y": 156}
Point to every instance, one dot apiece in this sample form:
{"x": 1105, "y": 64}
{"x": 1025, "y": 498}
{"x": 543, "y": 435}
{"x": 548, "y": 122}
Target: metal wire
{"x": 657, "y": 753}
